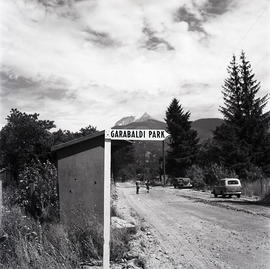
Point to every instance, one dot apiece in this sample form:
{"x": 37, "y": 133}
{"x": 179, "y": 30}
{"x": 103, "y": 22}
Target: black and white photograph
{"x": 134, "y": 134}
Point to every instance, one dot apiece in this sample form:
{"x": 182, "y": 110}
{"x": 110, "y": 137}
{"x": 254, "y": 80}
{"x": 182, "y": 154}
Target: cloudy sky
{"x": 94, "y": 61}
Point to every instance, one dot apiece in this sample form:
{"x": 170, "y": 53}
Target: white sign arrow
{"x": 136, "y": 134}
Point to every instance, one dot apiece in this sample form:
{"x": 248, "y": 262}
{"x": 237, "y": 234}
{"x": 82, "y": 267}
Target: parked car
{"x": 228, "y": 186}
{"x": 182, "y": 182}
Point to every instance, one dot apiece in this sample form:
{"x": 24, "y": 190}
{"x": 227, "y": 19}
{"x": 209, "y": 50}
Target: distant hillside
{"x": 205, "y": 127}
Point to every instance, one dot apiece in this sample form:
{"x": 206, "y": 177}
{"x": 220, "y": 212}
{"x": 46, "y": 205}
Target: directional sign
{"x": 119, "y": 134}
{"x": 136, "y": 134}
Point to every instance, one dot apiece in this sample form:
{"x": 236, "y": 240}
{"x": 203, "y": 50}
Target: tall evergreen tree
{"x": 243, "y": 141}
{"x": 183, "y": 140}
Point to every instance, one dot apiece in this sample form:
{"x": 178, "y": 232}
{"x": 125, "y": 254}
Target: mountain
{"x": 130, "y": 119}
{"x": 148, "y": 154}
{"x": 147, "y": 124}
{"x": 125, "y": 121}
{"x": 144, "y": 117}
{"x": 204, "y": 127}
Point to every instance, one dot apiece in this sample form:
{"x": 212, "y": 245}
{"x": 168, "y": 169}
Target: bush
{"x": 37, "y": 190}
{"x": 259, "y": 187}
{"x": 195, "y": 173}
{"x": 215, "y": 172}
{"x": 266, "y": 198}
{"x": 254, "y": 173}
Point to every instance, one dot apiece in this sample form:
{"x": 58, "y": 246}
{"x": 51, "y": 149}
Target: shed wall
{"x": 81, "y": 185}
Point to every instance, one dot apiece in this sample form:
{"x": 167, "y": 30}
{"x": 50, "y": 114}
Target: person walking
{"x": 147, "y": 184}
{"x": 137, "y": 187}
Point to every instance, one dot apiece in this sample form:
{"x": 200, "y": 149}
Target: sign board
{"x": 136, "y": 134}
{"x": 119, "y": 134}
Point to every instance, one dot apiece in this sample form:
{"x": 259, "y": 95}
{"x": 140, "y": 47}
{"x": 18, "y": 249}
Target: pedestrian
{"x": 147, "y": 184}
{"x": 137, "y": 187}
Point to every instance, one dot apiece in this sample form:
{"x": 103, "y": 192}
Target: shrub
{"x": 37, "y": 190}
{"x": 266, "y": 198}
{"x": 254, "y": 173}
{"x": 215, "y": 172}
{"x": 259, "y": 187}
{"x": 195, "y": 173}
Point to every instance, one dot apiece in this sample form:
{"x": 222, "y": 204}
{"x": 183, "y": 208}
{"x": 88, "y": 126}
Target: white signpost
{"x": 119, "y": 134}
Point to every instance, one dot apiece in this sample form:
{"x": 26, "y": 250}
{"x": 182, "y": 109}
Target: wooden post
{"x": 163, "y": 153}
{"x": 107, "y": 204}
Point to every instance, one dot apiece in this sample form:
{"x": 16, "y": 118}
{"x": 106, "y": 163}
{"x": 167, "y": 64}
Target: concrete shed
{"x": 80, "y": 166}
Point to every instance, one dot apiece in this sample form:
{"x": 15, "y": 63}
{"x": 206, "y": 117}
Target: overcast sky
{"x": 95, "y": 61}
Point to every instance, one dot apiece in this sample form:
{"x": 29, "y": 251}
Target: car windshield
{"x": 233, "y": 182}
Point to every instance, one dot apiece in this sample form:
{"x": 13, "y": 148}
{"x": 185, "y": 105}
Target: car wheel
{"x": 238, "y": 195}
{"x": 215, "y": 195}
{"x": 223, "y": 195}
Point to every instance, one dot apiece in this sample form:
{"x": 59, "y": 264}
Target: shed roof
{"x": 77, "y": 141}
{"x": 83, "y": 143}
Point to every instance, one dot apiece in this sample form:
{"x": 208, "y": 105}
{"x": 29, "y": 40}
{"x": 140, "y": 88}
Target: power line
{"x": 251, "y": 27}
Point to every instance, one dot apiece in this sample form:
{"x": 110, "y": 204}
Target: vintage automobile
{"x": 182, "y": 182}
{"x": 228, "y": 187}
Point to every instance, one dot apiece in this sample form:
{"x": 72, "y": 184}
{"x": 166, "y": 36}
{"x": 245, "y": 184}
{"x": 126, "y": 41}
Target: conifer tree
{"x": 183, "y": 145}
{"x": 243, "y": 141}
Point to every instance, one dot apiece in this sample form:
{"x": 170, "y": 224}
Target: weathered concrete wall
{"x": 80, "y": 179}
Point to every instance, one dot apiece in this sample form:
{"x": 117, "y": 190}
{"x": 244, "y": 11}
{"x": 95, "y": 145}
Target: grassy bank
{"x": 31, "y": 244}
{"x": 259, "y": 188}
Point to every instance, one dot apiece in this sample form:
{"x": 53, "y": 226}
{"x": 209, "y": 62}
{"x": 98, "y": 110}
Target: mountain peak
{"x": 125, "y": 121}
{"x": 144, "y": 117}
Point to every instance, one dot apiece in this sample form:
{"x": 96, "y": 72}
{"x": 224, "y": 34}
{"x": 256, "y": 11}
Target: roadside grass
{"x": 30, "y": 244}
{"x": 266, "y": 199}
{"x": 258, "y": 188}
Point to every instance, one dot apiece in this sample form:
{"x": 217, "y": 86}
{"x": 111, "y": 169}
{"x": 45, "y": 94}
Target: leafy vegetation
{"x": 37, "y": 191}
{"x": 24, "y": 138}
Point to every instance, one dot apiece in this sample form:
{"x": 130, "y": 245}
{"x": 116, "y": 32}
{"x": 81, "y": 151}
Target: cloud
{"x": 153, "y": 42}
{"x": 217, "y": 7}
{"x": 100, "y": 38}
{"x": 78, "y": 61}
{"x": 194, "y": 24}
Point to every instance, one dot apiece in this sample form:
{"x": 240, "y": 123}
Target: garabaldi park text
{"x": 135, "y": 134}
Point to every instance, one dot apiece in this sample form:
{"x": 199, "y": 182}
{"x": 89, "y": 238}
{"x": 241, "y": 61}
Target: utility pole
{"x": 163, "y": 154}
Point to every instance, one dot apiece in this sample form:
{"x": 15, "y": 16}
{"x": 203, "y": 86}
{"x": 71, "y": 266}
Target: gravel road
{"x": 197, "y": 231}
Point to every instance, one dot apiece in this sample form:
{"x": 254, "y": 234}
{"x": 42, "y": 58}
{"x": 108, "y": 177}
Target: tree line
{"x": 241, "y": 145}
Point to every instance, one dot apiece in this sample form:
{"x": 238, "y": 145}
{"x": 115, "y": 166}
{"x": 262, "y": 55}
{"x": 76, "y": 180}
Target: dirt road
{"x": 196, "y": 233}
